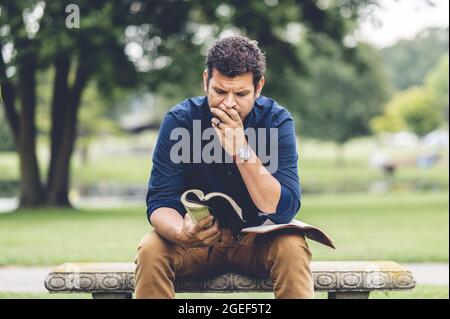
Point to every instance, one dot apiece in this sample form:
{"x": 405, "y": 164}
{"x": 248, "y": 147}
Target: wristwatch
{"x": 244, "y": 153}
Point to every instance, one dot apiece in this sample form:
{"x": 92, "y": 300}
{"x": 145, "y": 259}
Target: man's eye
{"x": 241, "y": 94}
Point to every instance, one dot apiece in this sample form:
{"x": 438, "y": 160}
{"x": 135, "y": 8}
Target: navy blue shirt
{"x": 170, "y": 179}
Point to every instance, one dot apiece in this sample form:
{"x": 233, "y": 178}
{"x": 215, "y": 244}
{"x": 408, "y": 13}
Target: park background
{"x": 367, "y": 83}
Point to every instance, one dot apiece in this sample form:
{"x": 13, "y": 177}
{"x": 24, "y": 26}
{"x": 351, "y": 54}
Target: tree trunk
{"x": 31, "y": 190}
{"x": 60, "y": 108}
{"x": 8, "y": 96}
{"x": 58, "y": 188}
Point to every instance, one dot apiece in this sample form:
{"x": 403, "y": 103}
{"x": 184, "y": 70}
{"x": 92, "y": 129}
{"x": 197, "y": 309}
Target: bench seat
{"x": 342, "y": 279}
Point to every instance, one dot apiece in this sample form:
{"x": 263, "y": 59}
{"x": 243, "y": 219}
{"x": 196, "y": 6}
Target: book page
{"x": 309, "y": 231}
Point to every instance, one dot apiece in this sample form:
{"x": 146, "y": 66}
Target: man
{"x": 233, "y": 80}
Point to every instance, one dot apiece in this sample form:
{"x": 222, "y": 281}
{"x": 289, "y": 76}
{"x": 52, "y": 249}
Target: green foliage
{"x": 284, "y": 31}
{"x": 420, "y": 115}
{"x": 165, "y": 41}
{"x": 418, "y": 109}
{"x": 340, "y": 98}
{"x": 411, "y": 110}
{"x": 409, "y": 61}
{"x": 98, "y": 113}
{"x": 437, "y": 85}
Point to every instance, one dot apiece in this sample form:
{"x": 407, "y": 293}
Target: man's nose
{"x": 229, "y": 100}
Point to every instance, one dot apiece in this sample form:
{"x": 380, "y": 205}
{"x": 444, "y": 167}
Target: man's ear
{"x": 260, "y": 86}
{"x": 205, "y": 80}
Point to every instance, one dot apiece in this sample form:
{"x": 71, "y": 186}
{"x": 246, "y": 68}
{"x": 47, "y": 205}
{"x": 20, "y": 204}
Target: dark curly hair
{"x": 236, "y": 55}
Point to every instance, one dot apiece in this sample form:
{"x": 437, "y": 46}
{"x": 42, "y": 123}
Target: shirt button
{"x": 229, "y": 173}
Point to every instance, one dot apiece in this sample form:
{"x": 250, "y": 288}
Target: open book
{"x": 198, "y": 205}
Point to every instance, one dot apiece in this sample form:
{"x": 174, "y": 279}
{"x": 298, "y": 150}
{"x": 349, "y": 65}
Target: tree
{"x": 412, "y": 110}
{"x": 409, "y": 61}
{"x": 420, "y": 109}
{"x": 98, "y": 115}
{"x": 437, "y": 85}
{"x": 40, "y": 40}
{"x": 122, "y": 43}
{"x": 290, "y": 33}
{"x": 341, "y": 98}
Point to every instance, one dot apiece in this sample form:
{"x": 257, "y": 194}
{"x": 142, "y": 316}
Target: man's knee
{"x": 153, "y": 247}
{"x": 290, "y": 245}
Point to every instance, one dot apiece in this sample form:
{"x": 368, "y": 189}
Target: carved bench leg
{"x": 112, "y": 295}
{"x": 349, "y": 295}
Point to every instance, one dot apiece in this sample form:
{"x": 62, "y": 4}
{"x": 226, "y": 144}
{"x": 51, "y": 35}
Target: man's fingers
{"x": 218, "y": 131}
{"x": 201, "y": 224}
{"x": 211, "y": 230}
{"x": 222, "y": 116}
{"x": 203, "y": 233}
{"x": 215, "y": 121}
{"x": 232, "y": 113}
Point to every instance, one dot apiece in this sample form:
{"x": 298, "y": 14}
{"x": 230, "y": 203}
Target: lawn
{"x": 420, "y": 292}
{"x": 404, "y": 227}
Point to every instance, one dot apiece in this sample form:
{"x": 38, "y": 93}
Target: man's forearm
{"x": 168, "y": 223}
{"x": 264, "y": 189}
{"x": 183, "y": 231}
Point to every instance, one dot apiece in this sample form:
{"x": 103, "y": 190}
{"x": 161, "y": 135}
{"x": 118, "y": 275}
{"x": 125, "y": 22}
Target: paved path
{"x": 23, "y": 279}
{"x": 31, "y": 279}
{"x": 430, "y": 274}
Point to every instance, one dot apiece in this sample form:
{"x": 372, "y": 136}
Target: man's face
{"x": 237, "y": 92}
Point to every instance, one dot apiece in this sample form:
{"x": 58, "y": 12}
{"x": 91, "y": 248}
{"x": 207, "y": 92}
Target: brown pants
{"x": 283, "y": 254}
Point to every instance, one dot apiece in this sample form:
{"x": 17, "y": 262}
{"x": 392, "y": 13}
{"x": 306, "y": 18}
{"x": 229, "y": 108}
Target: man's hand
{"x": 229, "y": 128}
{"x": 197, "y": 235}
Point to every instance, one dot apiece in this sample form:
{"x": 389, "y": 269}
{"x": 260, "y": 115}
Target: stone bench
{"x": 340, "y": 279}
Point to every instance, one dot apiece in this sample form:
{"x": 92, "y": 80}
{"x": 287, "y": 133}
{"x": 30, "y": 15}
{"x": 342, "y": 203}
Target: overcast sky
{"x": 403, "y": 19}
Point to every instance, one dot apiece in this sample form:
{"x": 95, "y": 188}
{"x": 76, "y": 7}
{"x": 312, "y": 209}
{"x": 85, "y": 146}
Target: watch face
{"x": 244, "y": 153}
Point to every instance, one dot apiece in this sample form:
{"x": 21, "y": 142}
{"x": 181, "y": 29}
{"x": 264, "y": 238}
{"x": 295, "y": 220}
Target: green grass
{"x": 404, "y": 227}
{"x": 52, "y": 236}
{"x": 420, "y": 292}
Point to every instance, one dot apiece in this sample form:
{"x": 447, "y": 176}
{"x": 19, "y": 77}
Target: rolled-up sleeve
{"x": 287, "y": 173}
{"x": 166, "y": 181}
